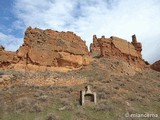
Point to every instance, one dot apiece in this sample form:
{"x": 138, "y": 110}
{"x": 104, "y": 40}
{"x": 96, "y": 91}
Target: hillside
{"x": 44, "y": 78}
{"x": 55, "y": 95}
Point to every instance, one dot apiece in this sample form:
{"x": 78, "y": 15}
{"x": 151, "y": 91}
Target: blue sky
{"x": 121, "y": 18}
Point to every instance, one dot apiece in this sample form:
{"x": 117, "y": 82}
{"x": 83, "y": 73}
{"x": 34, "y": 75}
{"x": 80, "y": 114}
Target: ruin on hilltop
{"x": 118, "y": 48}
{"x": 44, "y": 49}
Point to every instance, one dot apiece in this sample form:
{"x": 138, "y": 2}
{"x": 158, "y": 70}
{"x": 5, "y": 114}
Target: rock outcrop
{"x": 1, "y": 48}
{"x": 52, "y": 48}
{"x": 95, "y": 47}
{"x": 7, "y": 58}
{"x": 156, "y": 66}
{"x": 119, "y": 48}
{"x": 47, "y": 48}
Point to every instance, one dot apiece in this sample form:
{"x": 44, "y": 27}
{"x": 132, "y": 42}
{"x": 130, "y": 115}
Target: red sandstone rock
{"x": 95, "y": 47}
{"x": 52, "y": 48}
{"x": 156, "y": 66}
{"x": 7, "y": 58}
{"x": 44, "y": 49}
{"x": 47, "y": 48}
{"x": 117, "y": 47}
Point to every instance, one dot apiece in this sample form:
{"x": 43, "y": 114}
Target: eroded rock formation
{"x": 52, "y": 48}
{"x": 47, "y": 48}
{"x": 156, "y": 66}
{"x": 95, "y": 47}
{"x": 7, "y": 58}
{"x": 44, "y": 49}
{"x": 119, "y": 48}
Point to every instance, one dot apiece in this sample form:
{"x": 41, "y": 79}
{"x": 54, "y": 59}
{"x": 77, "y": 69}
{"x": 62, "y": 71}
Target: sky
{"x": 121, "y": 18}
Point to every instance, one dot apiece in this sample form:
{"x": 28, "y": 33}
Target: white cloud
{"x": 121, "y": 18}
{"x": 10, "y": 42}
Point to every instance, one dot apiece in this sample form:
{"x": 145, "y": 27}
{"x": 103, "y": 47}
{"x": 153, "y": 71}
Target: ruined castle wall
{"x": 119, "y": 48}
{"x": 48, "y": 48}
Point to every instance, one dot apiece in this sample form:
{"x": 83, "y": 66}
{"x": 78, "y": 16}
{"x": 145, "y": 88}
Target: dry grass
{"x": 55, "y": 95}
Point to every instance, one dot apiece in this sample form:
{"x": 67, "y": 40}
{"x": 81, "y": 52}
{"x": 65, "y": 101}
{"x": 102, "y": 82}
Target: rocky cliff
{"x": 48, "y": 48}
{"x": 118, "y": 48}
{"x": 95, "y": 47}
{"x": 44, "y": 49}
{"x": 52, "y": 48}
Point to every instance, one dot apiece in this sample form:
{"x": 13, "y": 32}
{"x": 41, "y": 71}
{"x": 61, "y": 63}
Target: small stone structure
{"x": 87, "y": 94}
